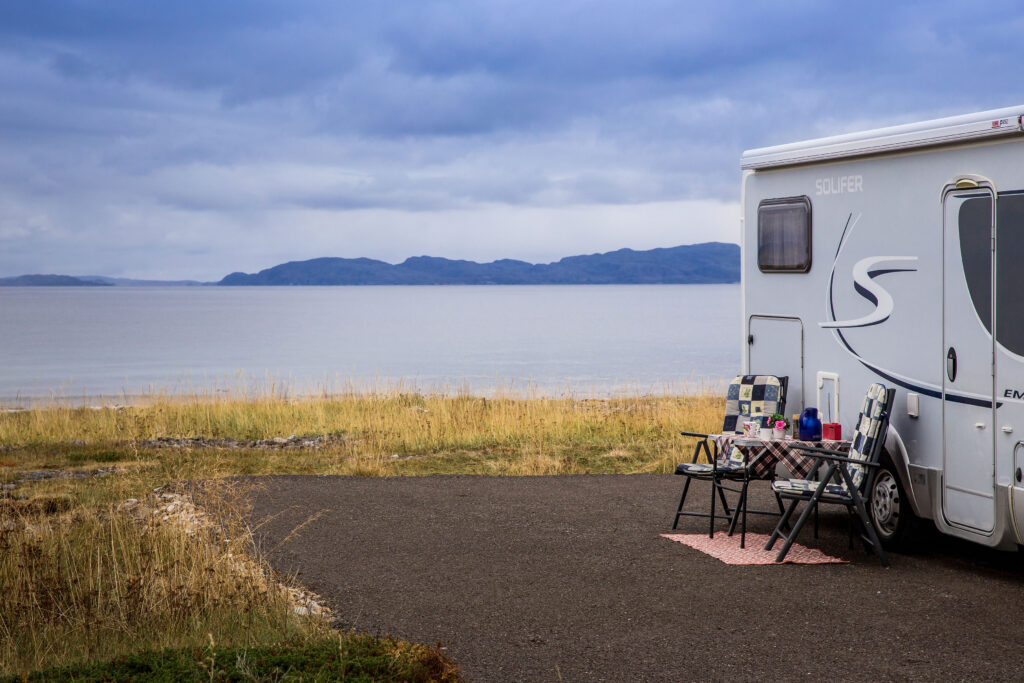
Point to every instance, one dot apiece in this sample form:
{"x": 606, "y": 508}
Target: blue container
{"x": 810, "y": 425}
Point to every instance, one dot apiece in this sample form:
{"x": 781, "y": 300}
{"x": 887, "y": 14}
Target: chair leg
{"x": 725, "y": 502}
{"x": 740, "y": 505}
{"x": 682, "y": 501}
{"x": 728, "y": 513}
{"x": 734, "y": 517}
{"x": 783, "y": 521}
{"x": 743, "y": 534}
{"x": 782, "y": 508}
{"x": 811, "y": 505}
{"x": 870, "y": 529}
{"x": 711, "y": 525}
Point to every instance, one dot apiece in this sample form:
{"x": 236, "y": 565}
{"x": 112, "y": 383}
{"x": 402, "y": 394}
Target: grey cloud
{"x": 185, "y": 133}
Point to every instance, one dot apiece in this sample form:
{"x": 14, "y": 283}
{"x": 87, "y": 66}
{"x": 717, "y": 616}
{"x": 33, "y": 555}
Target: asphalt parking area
{"x": 567, "y": 578}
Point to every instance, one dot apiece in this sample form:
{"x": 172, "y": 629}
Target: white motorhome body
{"x": 897, "y": 255}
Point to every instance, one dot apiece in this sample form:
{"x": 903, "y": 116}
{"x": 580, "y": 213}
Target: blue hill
{"x": 48, "y": 281}
{"x": 707, "y": 263}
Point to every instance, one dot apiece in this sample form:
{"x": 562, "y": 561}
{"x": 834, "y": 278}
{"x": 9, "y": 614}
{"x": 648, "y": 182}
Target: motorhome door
{"x": 775, "y": 346}
{"x": 968, "y": 377}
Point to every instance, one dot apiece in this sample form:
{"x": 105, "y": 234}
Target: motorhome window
{"x": 1009, "y": 274}
{"x": 784, "y": 235}
{"x": 975, "y": 224}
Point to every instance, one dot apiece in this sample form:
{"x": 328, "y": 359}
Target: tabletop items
{"x": 771, "y": 426}
{"x": 810, "y": 425}
{"x": 765, "y": 454}
{"x": 831, "y": 430}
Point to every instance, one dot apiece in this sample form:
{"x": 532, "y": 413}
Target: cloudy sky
{"x": 192, "y": 139}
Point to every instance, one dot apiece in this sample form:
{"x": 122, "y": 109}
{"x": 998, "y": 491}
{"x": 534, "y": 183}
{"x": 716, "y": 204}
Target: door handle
{"x": 951, "y": 364}
{"x": 1007, "y": 429}
{"x": 979, "y": 425}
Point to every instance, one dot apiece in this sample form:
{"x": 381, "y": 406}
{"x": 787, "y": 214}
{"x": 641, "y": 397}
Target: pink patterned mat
{"x": 727, "y": 549}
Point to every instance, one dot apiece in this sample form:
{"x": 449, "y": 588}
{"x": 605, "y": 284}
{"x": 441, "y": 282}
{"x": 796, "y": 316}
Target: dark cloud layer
{"x": 194, "y": 138}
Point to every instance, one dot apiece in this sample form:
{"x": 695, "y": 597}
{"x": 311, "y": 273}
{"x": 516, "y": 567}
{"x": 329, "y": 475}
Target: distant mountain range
{"x": 711, "y": 262}
{"x": 129, "y": 282}
{"x": 49, "y": 281}
{"x": 707, "y": 263}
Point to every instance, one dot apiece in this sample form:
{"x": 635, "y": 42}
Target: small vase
{"x": 766, "y": 434}
{"x": 779, "y": 434}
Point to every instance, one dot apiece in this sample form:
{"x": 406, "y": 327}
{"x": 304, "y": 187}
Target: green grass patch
{"x": 347, "y": 657}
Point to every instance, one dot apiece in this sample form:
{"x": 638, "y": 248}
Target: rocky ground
{"x": 41, "y": 475}
{"x": 282, "y": 443}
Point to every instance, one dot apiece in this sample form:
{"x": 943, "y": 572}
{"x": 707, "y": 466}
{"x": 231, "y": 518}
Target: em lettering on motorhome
{"x": 839, "y": 184}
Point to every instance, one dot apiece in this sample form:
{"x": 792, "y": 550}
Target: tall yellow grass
{"x": 500, "y": 435}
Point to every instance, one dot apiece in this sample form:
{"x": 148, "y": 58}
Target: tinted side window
{"x": 975, "y": 234}
{"x": 784, "y": 235}
{"x": 1009, "y": 273}
{"x": 975, "y": 226}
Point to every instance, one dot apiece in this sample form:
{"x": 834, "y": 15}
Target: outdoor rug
{"x": 727, "y": 549}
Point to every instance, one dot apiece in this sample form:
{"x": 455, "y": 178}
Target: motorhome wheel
{"x": 890, "y": 508}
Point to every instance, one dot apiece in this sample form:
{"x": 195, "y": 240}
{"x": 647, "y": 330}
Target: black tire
{"x": 890, "y": 510}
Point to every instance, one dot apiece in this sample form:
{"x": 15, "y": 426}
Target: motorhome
{"x": 897, "y": 255}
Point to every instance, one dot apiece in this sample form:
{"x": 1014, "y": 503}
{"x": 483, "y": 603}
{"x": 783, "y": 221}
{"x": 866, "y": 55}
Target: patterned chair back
{"x": 873, "y": 419}
{"x": 752, "y": 397}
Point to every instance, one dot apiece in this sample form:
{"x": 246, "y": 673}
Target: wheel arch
{"x": 901, "y": 461}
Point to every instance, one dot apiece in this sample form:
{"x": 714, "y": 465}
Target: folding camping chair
{"x": 748, "y": 397}
{"x": 856, "y": 472}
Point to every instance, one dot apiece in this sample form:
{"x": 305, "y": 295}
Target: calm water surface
{"x": 590, "y": 340}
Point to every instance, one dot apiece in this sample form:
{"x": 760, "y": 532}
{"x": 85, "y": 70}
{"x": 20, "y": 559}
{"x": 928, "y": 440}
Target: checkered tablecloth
{"x": 777, "y": 451}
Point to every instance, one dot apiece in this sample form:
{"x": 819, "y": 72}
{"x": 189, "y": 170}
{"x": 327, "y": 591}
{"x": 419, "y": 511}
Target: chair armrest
{"x": 836, "y": 456}
{"x": 818, "y": 449}
{"x": 703, "y": 443}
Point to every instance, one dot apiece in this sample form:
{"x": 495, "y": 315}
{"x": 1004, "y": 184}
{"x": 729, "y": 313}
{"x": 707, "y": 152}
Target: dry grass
{"x": 86, "y": 582}
{"x": 487, "y": 436}
{"x": 81, "y": 580}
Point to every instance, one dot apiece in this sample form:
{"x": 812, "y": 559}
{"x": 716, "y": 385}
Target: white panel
{"x": 828, "y": 396}
{"x": 777, "y": 349}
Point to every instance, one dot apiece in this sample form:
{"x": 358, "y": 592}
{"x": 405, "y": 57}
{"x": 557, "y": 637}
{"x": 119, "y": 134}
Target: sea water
{"x": 593, "y": 340}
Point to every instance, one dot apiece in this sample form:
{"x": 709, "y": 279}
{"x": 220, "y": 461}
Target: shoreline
{"x": 696, "y": 387}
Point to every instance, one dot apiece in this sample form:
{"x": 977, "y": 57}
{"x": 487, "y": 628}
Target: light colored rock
{"x": 178, "y": 509}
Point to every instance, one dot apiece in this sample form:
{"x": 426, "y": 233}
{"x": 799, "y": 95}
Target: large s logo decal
{"x": 864, "y": 283}
{"x": 864, "y": 274}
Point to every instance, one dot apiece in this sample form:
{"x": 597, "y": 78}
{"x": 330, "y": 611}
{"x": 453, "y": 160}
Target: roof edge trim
{"x": 986, "y": 124}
